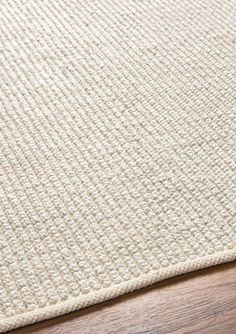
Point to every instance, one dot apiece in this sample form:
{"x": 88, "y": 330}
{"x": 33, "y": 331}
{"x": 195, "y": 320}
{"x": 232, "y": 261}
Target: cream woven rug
{"x": 117, "y": 148}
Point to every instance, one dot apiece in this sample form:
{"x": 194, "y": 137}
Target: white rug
{"x": 117, "y": 148}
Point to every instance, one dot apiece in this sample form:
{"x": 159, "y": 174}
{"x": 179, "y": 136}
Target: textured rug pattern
{"x": 117, "y": 148}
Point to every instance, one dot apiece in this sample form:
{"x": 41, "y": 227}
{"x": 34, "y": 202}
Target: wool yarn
{"x": 117, "y": 148}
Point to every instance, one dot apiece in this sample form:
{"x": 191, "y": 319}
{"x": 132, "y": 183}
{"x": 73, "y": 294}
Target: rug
{"x": 117, "y": 148}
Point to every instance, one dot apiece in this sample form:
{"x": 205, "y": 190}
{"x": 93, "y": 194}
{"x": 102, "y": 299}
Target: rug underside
{"x": 117, "y": 148}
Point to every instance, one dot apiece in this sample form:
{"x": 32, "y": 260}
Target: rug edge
{"x": 117, "y": 290}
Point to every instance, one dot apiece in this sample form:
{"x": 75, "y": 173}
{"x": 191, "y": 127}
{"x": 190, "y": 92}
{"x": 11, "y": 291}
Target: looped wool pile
{"x": 117, "y": 148}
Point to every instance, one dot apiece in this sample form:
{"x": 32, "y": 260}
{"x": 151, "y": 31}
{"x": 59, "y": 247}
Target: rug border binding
{"x": 116, "y": 290}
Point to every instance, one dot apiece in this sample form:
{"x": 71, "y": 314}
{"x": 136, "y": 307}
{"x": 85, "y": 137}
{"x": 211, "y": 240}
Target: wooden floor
{"x": 203, "y": 302}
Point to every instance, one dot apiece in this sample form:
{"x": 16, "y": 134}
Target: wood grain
{"x": 203, "y": 302}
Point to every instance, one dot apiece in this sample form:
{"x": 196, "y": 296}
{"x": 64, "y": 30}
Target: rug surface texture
{"x": 117, "y": 148}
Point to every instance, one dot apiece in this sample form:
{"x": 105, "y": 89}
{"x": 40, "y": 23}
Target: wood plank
{"x": 203, "y": 302}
